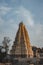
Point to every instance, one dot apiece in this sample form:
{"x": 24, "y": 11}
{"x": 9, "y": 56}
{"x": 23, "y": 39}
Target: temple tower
{"x": 22, "y": 47}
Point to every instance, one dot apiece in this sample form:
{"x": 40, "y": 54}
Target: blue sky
{"x": 12, "y": 12}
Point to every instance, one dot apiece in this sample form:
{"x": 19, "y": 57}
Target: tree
{"x": 6, "y": 43}
{"x": 34, "y": 50}
{"x": 2, "y": 53}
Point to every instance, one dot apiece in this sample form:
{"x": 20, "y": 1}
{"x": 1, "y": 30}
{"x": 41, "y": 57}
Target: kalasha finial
{"x": 21, "y": 23}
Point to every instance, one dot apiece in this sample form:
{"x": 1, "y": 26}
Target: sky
{"x": 12, "y": 12}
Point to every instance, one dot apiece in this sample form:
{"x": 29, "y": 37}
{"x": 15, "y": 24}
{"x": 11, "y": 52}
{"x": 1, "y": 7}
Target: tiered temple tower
{"x": 22, "y": 47}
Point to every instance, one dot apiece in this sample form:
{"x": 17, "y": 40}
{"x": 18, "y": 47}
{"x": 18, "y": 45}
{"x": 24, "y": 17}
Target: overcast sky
{"x": 12, "y": 12}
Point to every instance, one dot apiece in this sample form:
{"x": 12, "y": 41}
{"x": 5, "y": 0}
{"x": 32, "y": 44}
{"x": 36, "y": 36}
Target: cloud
{"x": 24, "y": 15}
{"x": 11, "y": 24}
{"x": 4, "y": 10}
{"x": 27, "y": 16}
{"x": 1, "y": 21}
{"x": 21, "y": 14}
{"x": 39, "y": 33}
{"x": 13, "y": 1}
{"x": 13, "y": 18}
{"x": 36, "y": 33}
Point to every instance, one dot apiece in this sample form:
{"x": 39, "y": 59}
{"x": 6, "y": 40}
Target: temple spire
{"x": 22, "y": 46}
